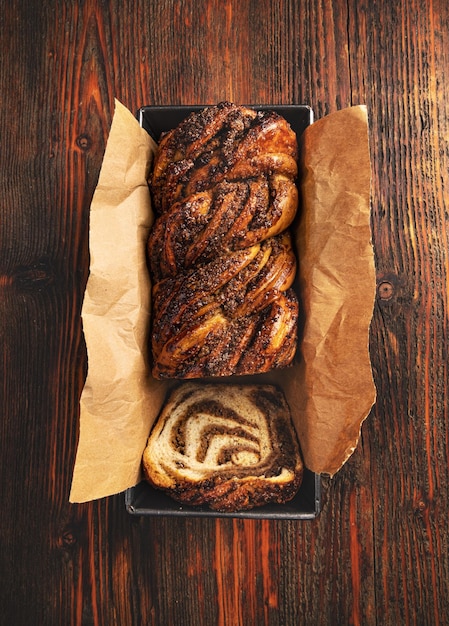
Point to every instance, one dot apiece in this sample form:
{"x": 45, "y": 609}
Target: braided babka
{"x": 221, "y": 261}
{"x": 231, "y": 447}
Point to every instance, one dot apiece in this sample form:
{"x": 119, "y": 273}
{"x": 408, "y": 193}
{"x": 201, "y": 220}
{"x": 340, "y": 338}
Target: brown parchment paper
{"x": 330, "y": 391}
{"x": 119, "y": 400}
{"x": 334, "y": 388}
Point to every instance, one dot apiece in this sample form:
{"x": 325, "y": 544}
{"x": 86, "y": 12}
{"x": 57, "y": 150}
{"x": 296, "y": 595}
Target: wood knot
{"x": 37, "y": 276}
{"x": 422, "y": 505}
{"x": 68, "y": 538}
{"x": 385, "y": 290}
{"x": 84, "y": 142}
{"x": 388, "y": 287}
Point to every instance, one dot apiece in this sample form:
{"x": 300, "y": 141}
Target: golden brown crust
{"x": 221, "y": 262}
{"x": 231, "y": 447}
{"x": 222, "y": 142}
{"x": 235, "y": 315}
{"x": 228, "y": 217}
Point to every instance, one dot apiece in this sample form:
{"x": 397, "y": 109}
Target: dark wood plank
{"x": 410, "y": 323}
{"x": 378, "y": 553}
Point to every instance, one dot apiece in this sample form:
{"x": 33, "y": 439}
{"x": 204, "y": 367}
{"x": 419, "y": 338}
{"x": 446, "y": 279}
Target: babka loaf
{"x": 231, "y": 447}
{"x": 221, "y": 261}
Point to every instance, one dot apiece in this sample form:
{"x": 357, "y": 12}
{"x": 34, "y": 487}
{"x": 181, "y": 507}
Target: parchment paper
{"x": 333, "y": 389}
{"x": 330, "y": 391}
{"x": 119, "y": 400}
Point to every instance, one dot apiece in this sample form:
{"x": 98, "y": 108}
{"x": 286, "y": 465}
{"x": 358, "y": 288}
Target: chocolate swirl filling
{"x": 225, "y": 445}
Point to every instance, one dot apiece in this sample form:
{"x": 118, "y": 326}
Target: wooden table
{"x": 378, "y": 553}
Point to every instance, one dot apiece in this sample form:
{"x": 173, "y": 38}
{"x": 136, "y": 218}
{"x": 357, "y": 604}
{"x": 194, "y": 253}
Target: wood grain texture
{"x": 378, "y": 553}
{"x": 411, "y": 328}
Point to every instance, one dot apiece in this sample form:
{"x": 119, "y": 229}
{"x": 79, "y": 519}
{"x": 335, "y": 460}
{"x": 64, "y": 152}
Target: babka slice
{"x": 231, "y": 447}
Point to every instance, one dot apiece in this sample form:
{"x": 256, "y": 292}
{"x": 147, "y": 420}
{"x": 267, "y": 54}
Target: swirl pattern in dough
{"x": 232, "y": 447}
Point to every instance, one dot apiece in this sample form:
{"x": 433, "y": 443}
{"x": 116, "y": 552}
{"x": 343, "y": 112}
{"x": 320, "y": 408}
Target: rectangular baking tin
{"x": 144, "y": 499}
